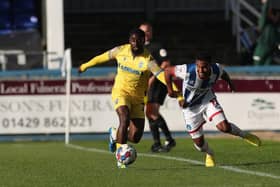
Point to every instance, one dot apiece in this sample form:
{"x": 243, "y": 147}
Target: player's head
{"x": 136, "y": 41}
{"x": 203, "y": 65}
{"x": 148, "y": 29}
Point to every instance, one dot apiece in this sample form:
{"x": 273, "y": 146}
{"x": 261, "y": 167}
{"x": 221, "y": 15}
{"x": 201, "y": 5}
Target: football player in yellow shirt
{"x": 135, "y": 64}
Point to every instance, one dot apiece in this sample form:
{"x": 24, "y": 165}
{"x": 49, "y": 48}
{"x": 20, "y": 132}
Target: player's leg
{"x": 136, "y": 129}
{"x": 131, "y": 126}
{"x": 215, "y": 113}
{"x": 170, "y": 142}
{"x": 157, "y": 121}
{"x": 122, "y": 132}
{"x": 201, "y": 145}
{"x": 124, "y": 120}
{"x": 156, "y": 97}
{"x": 137, "y": 123}
{"x": 135, "y": 133}
{"x": 159, "y": 99}
{"x": 124, "y": 109}
{"x": 150, "y": 113}
{"x": 118, "y": 135}
{"x": 232, "y": 129}
{"x": 194, "y": 124}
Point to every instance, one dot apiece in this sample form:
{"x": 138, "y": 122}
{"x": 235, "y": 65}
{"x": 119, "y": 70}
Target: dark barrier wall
{"x": 27, "y": 41}
{"x": 140, "y": 5}
{"x": 111, "y": 6}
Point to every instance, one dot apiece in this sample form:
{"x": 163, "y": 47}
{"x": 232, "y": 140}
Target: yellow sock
{"x": 118, "y": 145}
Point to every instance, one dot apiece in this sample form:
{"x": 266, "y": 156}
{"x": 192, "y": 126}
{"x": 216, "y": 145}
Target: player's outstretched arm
{"x": 169, "y": 74}
{"x": 169, "y": 81}
{"x": 104, "y": 57}
{"x": 159, "y": 74}
{"x": 226, "y": 78}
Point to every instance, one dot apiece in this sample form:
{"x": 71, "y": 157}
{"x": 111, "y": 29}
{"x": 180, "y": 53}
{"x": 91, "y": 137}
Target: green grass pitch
{"x": 88, "y": 163}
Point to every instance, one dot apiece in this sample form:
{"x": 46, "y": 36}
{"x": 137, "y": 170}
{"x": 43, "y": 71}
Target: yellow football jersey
{"x": 133, "y": 72}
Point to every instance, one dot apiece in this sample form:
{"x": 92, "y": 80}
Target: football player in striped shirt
{"x": 201, "y": 104}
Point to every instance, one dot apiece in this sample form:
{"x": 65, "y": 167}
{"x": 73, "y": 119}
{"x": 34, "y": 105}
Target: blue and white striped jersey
{"x": 196, "y": 90}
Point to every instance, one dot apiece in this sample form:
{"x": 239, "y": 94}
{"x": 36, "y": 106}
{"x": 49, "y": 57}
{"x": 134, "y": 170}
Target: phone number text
{"x": 46, "y": 122}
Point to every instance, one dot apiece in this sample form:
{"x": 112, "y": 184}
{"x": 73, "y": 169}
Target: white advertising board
{"x": 34, "y": 114}
{"x": 249, "y": 111}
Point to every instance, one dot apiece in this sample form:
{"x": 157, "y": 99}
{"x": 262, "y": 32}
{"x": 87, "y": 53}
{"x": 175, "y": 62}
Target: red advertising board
{"x": 93, "y": 86}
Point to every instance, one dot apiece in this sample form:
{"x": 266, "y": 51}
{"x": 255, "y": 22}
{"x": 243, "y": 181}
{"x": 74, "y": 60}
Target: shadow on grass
{"x": 254, "y": 163}
{"x": 183, "y": 168}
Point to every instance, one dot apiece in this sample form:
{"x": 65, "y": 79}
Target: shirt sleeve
{"x": 159, "y": 74}
{"x": 113, "y": 52}
{"x": 163, "y": 54}
{"x": 221, "y": 69}
{"x": 104, "y": 57}
{"x": 158, "y": 52}
{"x": 181, "y": 71}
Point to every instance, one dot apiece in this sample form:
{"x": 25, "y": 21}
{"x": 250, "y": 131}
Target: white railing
{"x": 21, "y": 55}
{"x": 234, "y": 8}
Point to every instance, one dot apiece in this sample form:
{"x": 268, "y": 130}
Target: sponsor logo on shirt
{"x": 188, "y": 127}
{"x": 130, "y": 70}
{"x": 140, "y": 65}
{"x": 162, "y": 52}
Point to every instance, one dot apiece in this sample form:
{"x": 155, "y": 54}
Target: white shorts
{"x": 197, "y": 115}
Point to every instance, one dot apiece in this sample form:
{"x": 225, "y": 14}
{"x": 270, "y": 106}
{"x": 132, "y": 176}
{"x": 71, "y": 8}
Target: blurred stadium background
{"x": 34, "y": 35}
{"x": 41, "y": 41}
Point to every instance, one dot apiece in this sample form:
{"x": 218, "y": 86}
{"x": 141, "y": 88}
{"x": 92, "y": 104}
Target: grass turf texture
{"x": 54, "y": 164}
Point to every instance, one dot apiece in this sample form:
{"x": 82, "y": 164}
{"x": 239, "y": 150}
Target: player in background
{"x": 156, "y": 94}
{"x": 201, "y": 103}
{"x": 135, "y": 64}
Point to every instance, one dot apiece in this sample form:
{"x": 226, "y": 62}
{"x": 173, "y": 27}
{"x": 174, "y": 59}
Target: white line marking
{"x": 229, "y": 168}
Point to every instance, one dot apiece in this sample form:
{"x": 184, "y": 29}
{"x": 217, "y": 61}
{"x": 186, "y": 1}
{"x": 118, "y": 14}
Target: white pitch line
{"x": 88, "y": 149}
{"x": 229, "y": 168}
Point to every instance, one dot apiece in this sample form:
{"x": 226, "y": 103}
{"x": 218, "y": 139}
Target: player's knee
{"x": 199, "y": 148}
{"x": 224, "y": 126}
{"x": 124, "y": 119}
{"x": 152, "y": 115}
{"x": 149, "y": 115}
{"x": 202, "y": 147}
{"x": 124, "y": 122}
{"x": 135, "y": 138}
{"x": 198, "y": 143}
{"x": 123, "y": 113}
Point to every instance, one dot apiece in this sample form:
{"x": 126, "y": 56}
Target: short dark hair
{"x": 204, "y": 56}
{"x": 137, "y": 32}
{"x": 146, "y": 23}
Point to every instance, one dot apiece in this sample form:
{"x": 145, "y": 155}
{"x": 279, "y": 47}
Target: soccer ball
{"x": 126, "y": 154}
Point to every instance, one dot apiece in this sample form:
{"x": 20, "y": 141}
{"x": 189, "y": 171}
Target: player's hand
{"x": 183, "y": 103}
{"x": 232, "y": 87}
{"x": 173, "y": 94}
{"x": 81, "y": 69}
